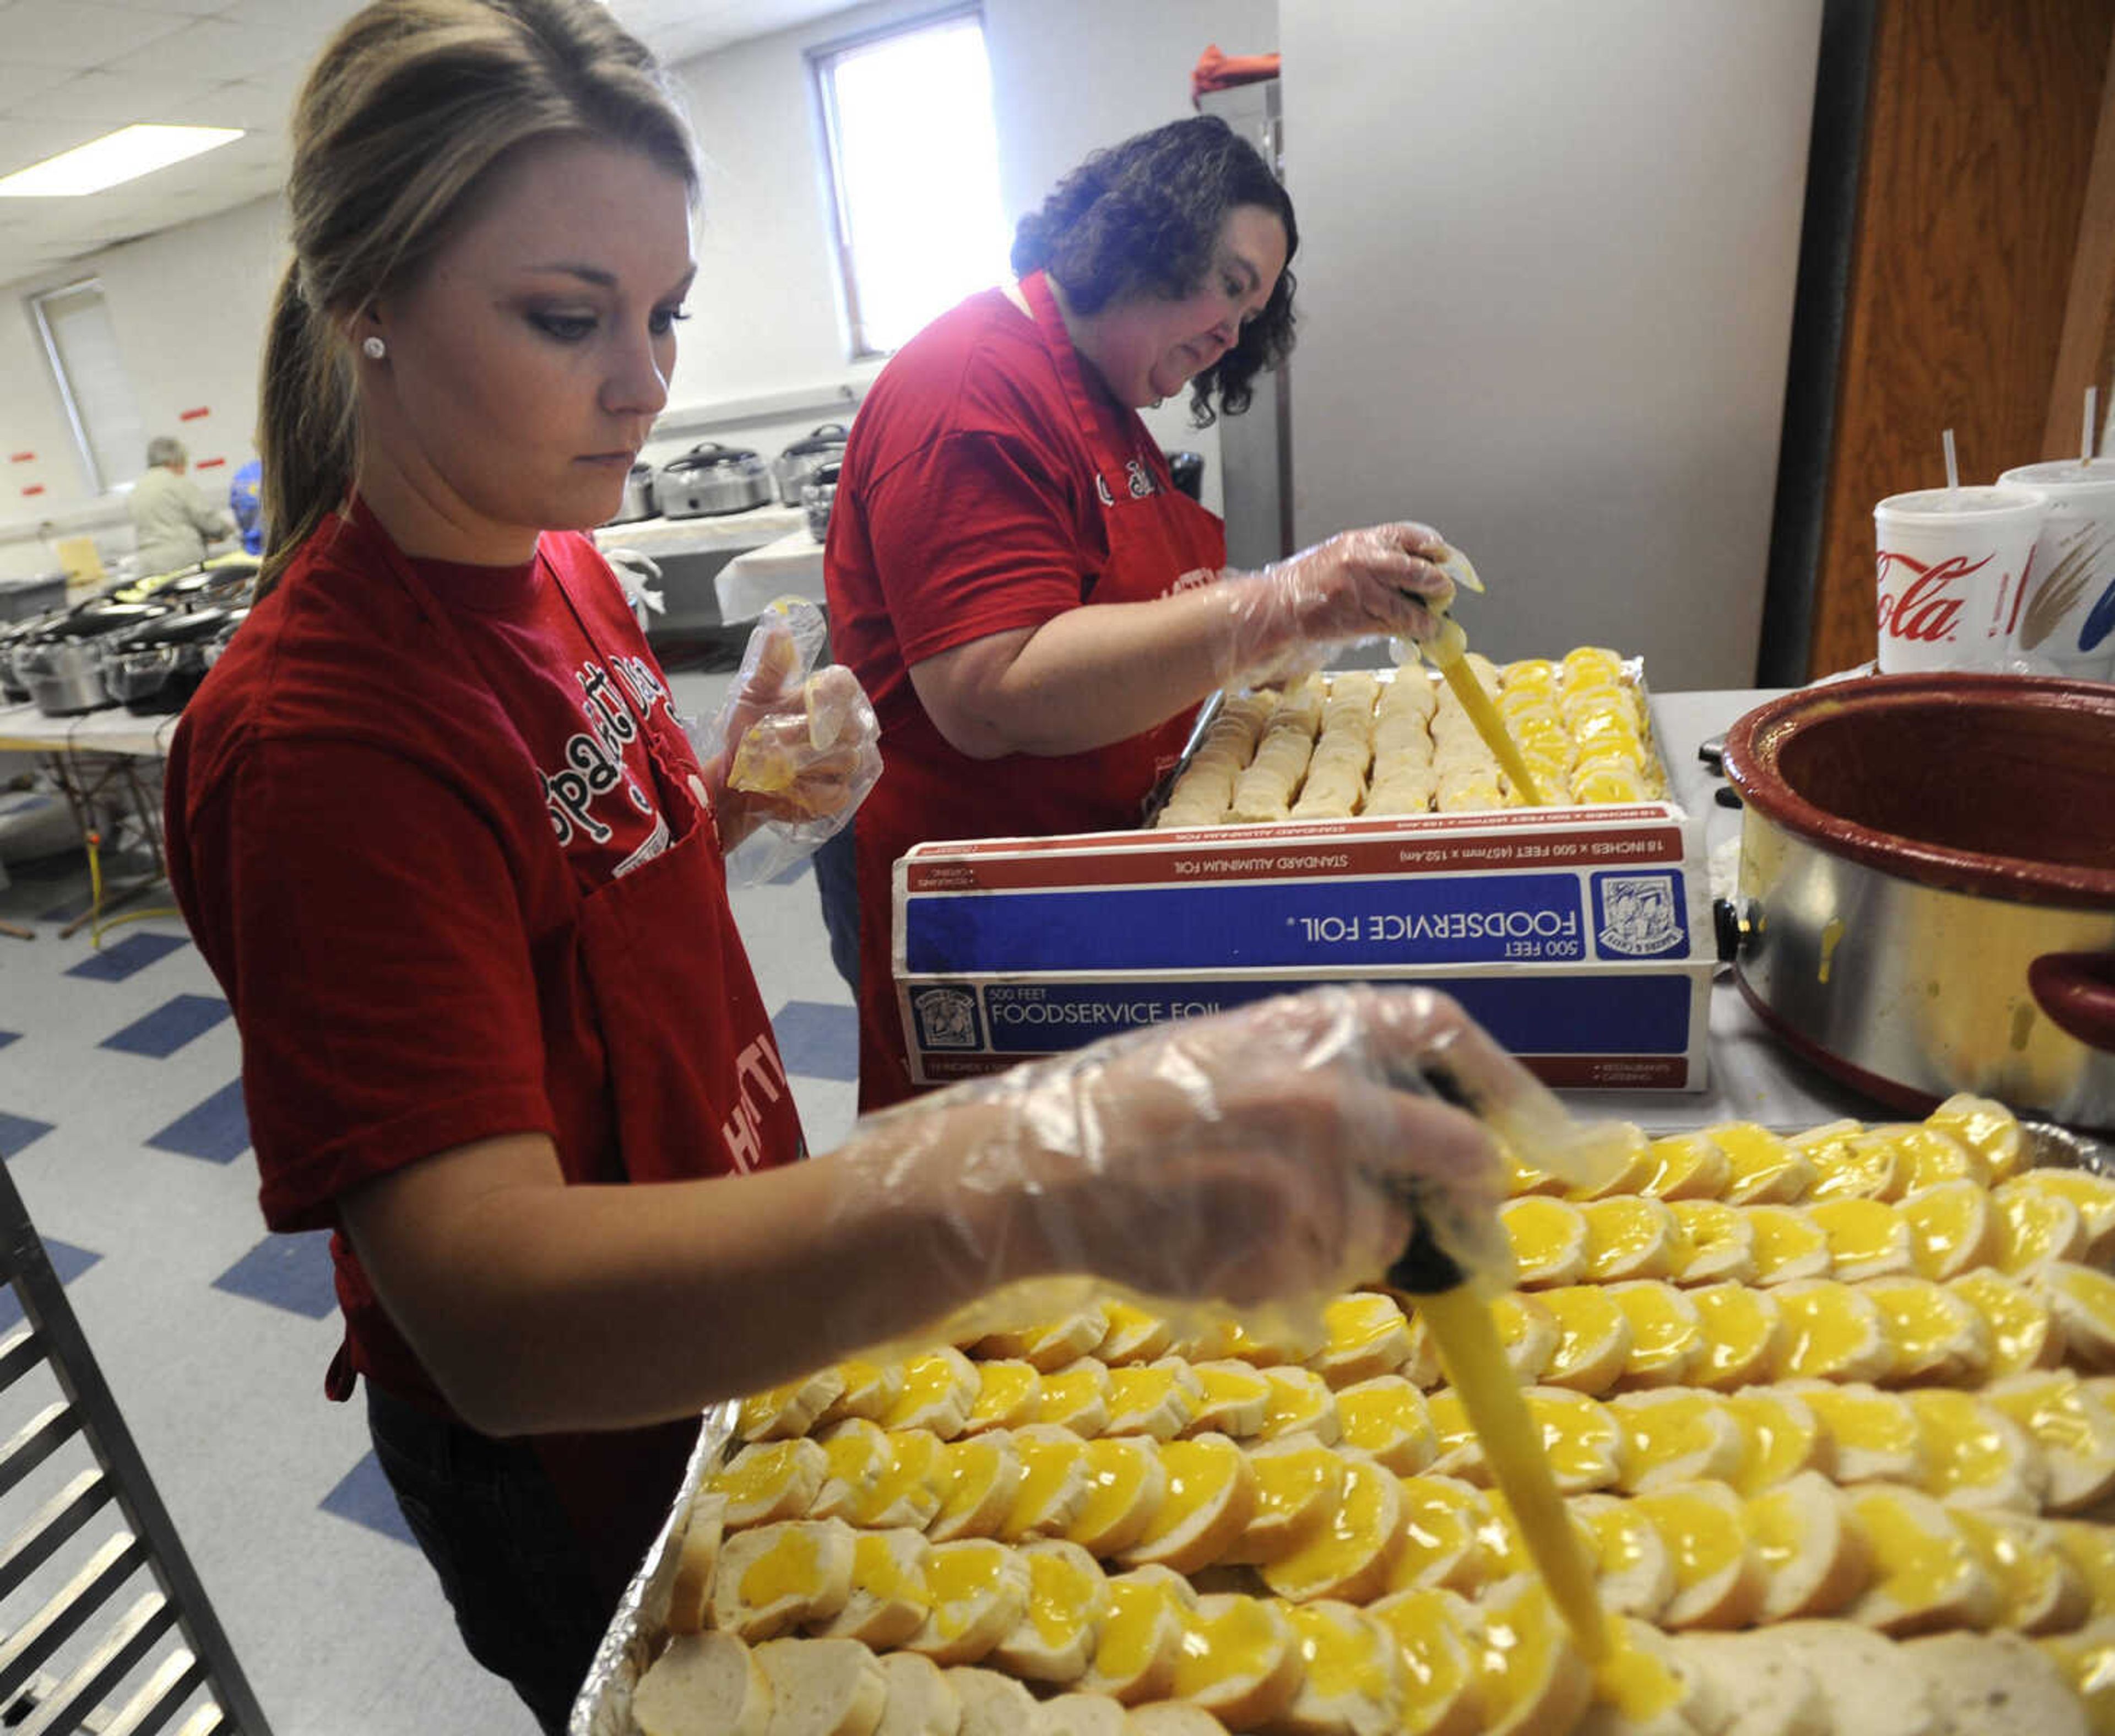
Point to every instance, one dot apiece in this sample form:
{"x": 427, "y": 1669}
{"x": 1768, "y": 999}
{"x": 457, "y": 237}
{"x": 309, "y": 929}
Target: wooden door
{"x": 1981, "y": 294}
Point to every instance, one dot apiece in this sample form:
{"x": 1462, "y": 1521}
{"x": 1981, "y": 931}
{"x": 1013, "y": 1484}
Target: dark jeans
{"x": 836, "y": 883}
{"x": 485, "y": 1514}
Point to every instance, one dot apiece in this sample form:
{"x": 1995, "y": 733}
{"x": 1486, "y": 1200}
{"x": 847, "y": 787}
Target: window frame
{"x": 55, "y": 359}
{"x": 821, "y": 59}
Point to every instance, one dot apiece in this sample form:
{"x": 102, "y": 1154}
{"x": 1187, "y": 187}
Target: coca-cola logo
{"x": 1927, "y": 608}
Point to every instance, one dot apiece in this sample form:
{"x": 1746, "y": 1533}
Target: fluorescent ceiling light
{"x": 124, "y": 155}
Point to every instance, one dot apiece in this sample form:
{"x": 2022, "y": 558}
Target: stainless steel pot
{"x": 1927, "y": 886}
{"x": 64, "y": 677}
{"x": 794, "y": 468}
{"x": 820, "y": 489}
{"x": 711, "y": 478}
{"x": 638, "y": 502}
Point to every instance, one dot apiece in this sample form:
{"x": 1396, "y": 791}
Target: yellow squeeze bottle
{"x": 1427, "y": 1279}
{"x": 1447, "y": 651}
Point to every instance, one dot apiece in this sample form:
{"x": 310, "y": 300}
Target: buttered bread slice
{"x": 1067, "y": 1599}
{"x": 779, "y": 1577}
{"x": 1210, "y": 1500}
{"x": 1351, "y": 1676}
{"x": 979, "y": 1592}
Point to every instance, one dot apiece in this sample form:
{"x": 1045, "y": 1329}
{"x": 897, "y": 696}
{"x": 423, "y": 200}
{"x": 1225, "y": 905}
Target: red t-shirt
{"x": 391, "y": 809}
{"x": 987, "y": 487}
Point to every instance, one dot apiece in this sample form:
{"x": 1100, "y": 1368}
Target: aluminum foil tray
{"x": 604, "y": 1705}
{"x": 1156, "y": 798}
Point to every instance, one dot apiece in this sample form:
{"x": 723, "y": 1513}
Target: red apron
{"x": 662, "y": 957}
{"x": 1156, "y": 536}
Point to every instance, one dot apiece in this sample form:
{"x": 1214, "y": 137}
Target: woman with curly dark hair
{"x": 1013, "y": 576}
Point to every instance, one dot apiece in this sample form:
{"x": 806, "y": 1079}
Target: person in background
{"x": 245, "y": 501}
{"x": 440, "y": 836}
{"x": 173, "y": 522}
{"x": 1012, "y": 573}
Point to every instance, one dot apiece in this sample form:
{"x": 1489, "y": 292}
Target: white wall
{"x": 1546, "y": 277}
{"x": 189, "y": 304}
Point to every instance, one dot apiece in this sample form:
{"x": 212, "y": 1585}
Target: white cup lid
{"x": 1963, "y": 502}
{"x": 2063, "y": 473}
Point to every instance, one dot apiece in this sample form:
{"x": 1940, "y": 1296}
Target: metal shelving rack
{"x": 106, "y": 1531}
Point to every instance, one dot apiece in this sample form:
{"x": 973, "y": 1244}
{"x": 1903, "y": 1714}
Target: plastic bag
{"x": 798, "y": 747}
{"x": 1253, "y": 1162}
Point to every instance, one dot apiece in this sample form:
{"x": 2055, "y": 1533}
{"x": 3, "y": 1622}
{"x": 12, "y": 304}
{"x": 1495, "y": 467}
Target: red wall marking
{"x": 20, "y": 458}
{"x": 34, "y": 487}
{"x": 192, "y": 415}
{"x": 207, "y": 464}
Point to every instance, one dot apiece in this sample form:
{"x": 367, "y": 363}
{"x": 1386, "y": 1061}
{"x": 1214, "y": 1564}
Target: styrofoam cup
{"x": 1952, "y": 562}
{"x": 2069, "y": 616}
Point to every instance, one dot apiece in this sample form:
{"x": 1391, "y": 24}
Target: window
{"x": 913, "y": 174}
{"x": 83, "y": 348}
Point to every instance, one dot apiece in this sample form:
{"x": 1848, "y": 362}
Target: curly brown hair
{"x": 1143, "y": 218}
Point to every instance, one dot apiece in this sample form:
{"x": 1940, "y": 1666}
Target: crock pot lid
{"x": 830, "y": 438}
{"x": 712, "y": 457}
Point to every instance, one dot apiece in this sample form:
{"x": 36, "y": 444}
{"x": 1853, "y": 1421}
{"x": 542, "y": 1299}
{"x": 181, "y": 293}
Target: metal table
{"x": 107, "y": 764}
{"x": 1754, "y": 1077}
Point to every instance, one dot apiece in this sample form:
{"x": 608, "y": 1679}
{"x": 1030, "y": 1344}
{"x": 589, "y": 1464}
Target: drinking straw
{"x": 1952, "y": 467}
{"x": 2086, "y": 433}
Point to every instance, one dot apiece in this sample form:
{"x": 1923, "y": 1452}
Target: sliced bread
{"x": 921, "y": 1702}
{"x": 889, "y": 1601}
{"x": 1765, "y": 1687}
{"x": 691, "y": 1596}
{"x": 1926, "y": 1575}
{"x": 993, "y": 1705}
{"x": 1240, "y": 1659}
{"x": 1996, "y": 1684}
{"x": 779, "y": 1577}
{"x": 1815, "y": 1558}
{"x": 704, "y": 1684}
{"x": 823, "y": 1688}
{"x": 979, "y": 1592}
{"x": 1353, "y": 1673}
{"x": 1138, "y": 1636}
{"x": 1210, "y": 1500}
{"x": 1068, "y": 1598}
{"x": 1871, "y": 1688}
{"x": 1720, "y": 1578}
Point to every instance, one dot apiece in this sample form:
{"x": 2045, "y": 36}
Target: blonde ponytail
{"x": 304, "y": 420}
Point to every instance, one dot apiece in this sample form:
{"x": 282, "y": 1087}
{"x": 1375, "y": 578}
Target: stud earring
{"x": 374, "y": 348}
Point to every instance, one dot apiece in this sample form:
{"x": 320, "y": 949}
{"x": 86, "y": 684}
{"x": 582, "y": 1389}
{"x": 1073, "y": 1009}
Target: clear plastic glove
{"x": 791, "y": 754}
{"x": 1387, "y": 579}
{"x": 1262, "y": 1160}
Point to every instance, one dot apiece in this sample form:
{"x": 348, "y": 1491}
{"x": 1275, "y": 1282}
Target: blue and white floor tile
{"x": 121, "y": 1122}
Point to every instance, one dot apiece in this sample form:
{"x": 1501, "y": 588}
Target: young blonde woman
{"x": 438, "y": 833}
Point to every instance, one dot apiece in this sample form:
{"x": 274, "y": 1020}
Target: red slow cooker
{"x": 1927, "y": 886}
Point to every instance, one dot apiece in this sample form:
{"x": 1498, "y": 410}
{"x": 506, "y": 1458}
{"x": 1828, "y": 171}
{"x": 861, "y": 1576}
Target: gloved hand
{"x": 1272, "y": 1155}
{"x": 790, "y": 755}
{"x": 1387, "y": 578}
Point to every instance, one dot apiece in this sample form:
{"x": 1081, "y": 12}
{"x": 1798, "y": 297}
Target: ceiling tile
{"x": 19, "y": 79}
{"x": 241, "y": 103}
{"x": 79, "y": 33}
{"x": 111, "y": 99}
{"x": 210, "y": 49}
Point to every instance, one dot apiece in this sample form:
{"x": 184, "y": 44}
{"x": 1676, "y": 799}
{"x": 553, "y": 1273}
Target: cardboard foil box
{"x": 1581, "y": 937}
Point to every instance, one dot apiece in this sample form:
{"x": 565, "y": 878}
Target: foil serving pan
{"x": 604, "y": 1707}
{"x": 1634, "y": 676}
{"x": 603, "y": 1704}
